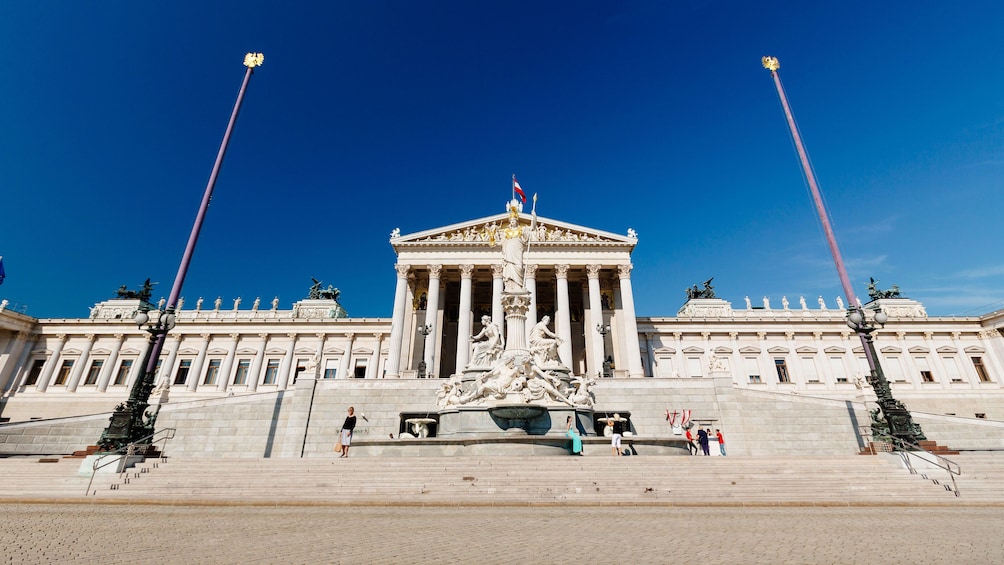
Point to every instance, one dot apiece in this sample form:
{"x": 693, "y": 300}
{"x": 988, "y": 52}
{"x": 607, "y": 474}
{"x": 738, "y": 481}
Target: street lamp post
{"x": 897, "y": 422}
{"x": 603, "y": 331}
{"x": 422, "y": 366}
{"x": 129, "y": 422}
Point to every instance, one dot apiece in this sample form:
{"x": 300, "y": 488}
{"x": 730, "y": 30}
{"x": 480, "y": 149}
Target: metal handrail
{"x": 941, "y": 462}
{"x": 130, "y": 448}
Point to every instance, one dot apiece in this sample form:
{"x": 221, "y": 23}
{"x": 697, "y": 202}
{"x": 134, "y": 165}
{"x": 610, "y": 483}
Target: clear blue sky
{"x": 368, "y": 116}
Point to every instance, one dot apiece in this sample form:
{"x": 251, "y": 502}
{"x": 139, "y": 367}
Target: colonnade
{"x": 430, "y": 278}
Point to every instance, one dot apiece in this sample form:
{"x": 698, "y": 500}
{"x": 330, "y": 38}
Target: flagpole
{"x": 127, "y": 422}
{"x": 898, "y": 419}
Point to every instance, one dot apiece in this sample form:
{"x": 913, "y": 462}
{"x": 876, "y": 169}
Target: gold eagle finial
{"x": 770, "y": 63}
{"x": 252, "y": 60}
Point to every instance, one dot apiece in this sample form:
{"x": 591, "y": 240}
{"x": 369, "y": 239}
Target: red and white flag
{"x": 518, "y": 189}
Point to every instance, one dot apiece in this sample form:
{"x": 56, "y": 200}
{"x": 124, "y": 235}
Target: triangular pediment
{"x": 665, "y": 351}
{"x": 834, "y": 349}
{"x": 692, "y": 350}
{"x": 485, "y": 231}
{"x": 805, "y": 349}
{"x": 749, "y": 350}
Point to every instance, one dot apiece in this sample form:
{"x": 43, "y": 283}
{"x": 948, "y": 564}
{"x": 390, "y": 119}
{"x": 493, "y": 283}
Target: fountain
{"x": 514, "y": 386}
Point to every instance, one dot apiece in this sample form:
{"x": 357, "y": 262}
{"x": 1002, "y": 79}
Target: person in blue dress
{"x": 571, "y": 432}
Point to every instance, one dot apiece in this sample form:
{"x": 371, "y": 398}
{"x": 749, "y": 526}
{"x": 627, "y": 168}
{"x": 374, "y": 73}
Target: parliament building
{"x": 256, "y": 380}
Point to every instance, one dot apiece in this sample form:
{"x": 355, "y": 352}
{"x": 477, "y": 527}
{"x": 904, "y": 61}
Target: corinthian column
{"x": 498, "y": 315}
{"x": 109, "y": 368}
{"x": 631, "y": 344}
{"x": 431, "y": 317}
{"x": 464, "y": 324}
{"x": 50, "y": 365}
{"x": 397, "y": 324}
{"x": 594, "y": 343}
{"x": 530, "y": 284}
{"x": 80, "y": 365}
{"x": 563, "y": 317}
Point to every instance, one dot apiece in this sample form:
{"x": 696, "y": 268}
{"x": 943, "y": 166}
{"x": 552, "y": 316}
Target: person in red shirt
{"x": 721, "y": 441}
{"x": 690, "y": 443}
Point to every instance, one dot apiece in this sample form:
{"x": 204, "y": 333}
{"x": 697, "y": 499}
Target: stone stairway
{"x": 821, "y": 480}
{"x": 982, "y": 477}
{"x": 519, "y": 480}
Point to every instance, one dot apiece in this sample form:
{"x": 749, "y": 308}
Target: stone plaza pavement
{"x": 190, "y": 534}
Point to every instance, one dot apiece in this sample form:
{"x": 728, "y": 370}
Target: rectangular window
{"x": 271, "y": 372}
{"x": 665, "y": 366}
{"x": 64, "y": 372}
{"x": 183, "y": 368}
{"x": 360, "y": 368}
{"x": 782, "y": 371}
{"x": 981, "y": 370}
{"x": 94, "y": 371}
{"x": 331, "y": 368}
{"x": 925, "y": 370}
{"x": 123, "y": 375}
{"x": 212, "y": 372}
{"x": 243, "y": 368}
{"x": 694, "y": 366}
{"x": 809, "y": 369}
{"x": 36, "y": 370}
{"x": 752, "y": 365}
{"x": 894, "y": 370}
{"x": 952, "y": 367}
{"x": 837, "y": 368}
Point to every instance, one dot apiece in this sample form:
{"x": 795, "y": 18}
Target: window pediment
{"x": 749, "y": 350}
{"x": 777, "y": 349}
{"x": 834, "y": 349}
{"x": 693, "y": 350}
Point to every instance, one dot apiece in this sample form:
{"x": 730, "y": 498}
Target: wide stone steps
{"x": 527, "y": 480}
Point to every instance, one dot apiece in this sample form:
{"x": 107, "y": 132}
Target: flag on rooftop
{"x": 518, "y": 189}
{"x": 2, "y": 273}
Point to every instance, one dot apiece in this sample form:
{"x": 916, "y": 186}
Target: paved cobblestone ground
{"x": 109, "y": 534}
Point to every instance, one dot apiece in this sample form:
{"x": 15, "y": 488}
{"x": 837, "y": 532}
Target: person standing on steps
{"x": 571, "y": 432}
{"x": 721, "y": 441}
{"x": 702, "y": 438}
{"x": 347, "y": 427}
{"x": 617, "y": 429}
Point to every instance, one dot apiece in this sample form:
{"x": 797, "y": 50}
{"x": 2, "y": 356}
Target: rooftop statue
{"x": 707, "y": 292}
{"x": 143, "y": 294}
{"x": 318, "y": 293}
{"x": 875, "y": 293}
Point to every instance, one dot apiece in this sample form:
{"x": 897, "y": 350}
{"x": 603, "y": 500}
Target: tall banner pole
{"x": 900, "y": 422}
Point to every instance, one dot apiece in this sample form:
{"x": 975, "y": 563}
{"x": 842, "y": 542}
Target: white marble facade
{"x": 448, "y": 278}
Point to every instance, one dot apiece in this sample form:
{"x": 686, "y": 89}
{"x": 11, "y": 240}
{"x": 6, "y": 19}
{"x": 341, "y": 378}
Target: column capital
{"x": 235, "y": 336}
{"x": 264, "y": 336}
{"x": 624, "y": 271}
{"x": 61, "y": 337}
{"x": 320, "y": 335}
{"x": 291, "y": 335}
{"x": 378, "y": 335}
{"x": 593, "y": 271}
{"x": 119, "y": 337}
{"x": 25, "y": 335}
{"x": 530, "y": 271}
{"x": 435, "y": 271}
{"x": 466, "y": 271}
{"x": 402, "y": 270}
{"x": 206, "y": 336}
{"x": 561, "y": 271}
{"x": 349, "y": 336}
{"x": 178, "y": 337}
{"x": 89, "y": 337}
{"x": 497, "y": 271}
